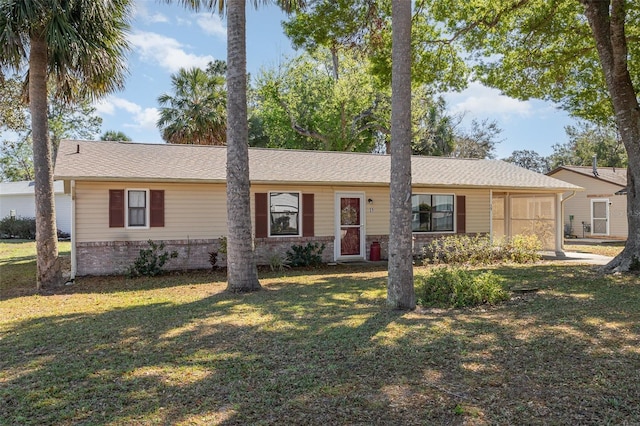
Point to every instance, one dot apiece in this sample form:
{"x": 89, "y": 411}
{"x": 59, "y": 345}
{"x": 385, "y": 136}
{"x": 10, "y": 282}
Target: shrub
{"x": 277, "y": 263}
{"x": 478, "y": 250}
{"x": 222, "y": 250}
{"x": 461, "y": 249}
{"x": 309, "y": 255}
{"x": 521, "y": 249}
{"x": 151, "y": 260}
{"x": 456, "y": 287}
{"x": 213, "y": 259}
{"x": 18, "y": 227}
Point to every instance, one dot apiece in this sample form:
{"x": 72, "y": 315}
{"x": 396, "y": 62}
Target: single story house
{"x": 599, "y": 211}
{"x": 124, "y": 194}
{"x": 17, "y": 199}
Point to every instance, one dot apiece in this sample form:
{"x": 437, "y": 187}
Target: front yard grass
{"x": 610, "y": 249}
{"x": 18, "y": 266}
{"x": 320, "y": 347}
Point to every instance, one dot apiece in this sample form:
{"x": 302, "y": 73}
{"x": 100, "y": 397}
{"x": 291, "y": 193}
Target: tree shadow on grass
{"x": 329, "y": 352}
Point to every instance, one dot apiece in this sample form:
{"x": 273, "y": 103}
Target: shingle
{"x": 615, "y": 175}
{"x": 163, "y": 162}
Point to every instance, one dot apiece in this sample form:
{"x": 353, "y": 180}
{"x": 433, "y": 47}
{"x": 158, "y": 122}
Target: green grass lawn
{"x": 319, "y": 347}
{"x": 18, "y": 266}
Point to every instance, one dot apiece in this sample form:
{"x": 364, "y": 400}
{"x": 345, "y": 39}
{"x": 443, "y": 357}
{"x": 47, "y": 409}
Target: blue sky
{"x": 165, "y": 38}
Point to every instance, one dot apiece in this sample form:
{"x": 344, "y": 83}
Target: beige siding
{"x": 198, "y": 211}
{"x": 377, "y": 213}
{"x": 377, "y": 221}
{"x": 192, "y": 211}
{"x": 580, "y": 205}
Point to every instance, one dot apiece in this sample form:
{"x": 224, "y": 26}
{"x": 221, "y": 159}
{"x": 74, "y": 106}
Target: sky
{"x": 165, "y": 38}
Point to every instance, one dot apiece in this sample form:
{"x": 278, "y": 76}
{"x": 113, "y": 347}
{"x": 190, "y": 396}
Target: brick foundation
{"x": 266, "y": 248}
{"x": 115, "y": 257}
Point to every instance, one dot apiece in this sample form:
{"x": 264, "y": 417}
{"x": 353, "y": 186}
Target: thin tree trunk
{"x": 607, "y": 20}
{"x": 48, "y": 267}
{"x": 242, "y": 273}
{"x": 400, "y": 291}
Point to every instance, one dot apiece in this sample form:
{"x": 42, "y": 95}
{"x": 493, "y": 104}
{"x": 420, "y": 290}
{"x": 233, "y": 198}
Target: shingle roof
{"x": 120, "y": 161}
{"x": 614, "y": 175}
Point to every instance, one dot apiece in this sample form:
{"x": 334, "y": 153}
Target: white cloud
{"x": 143, "y": 118}
{"x": 166, "y": 52}
{"x": 211, "y": 24}
{"x": 141, "y": 12}
{"x": 104, "y": 107}
{"x": 481, "y": 101}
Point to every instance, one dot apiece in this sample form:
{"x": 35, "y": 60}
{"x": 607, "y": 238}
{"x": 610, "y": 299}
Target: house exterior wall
{"x": 195, "y": 219}
{"x": 580, "y": 204}
{"x": 192, "y": 211}
{"x": 24, "y": 206}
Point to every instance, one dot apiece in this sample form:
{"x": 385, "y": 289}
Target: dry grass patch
{"x": 610, "y": 249}
{"x": 319, "y": 347}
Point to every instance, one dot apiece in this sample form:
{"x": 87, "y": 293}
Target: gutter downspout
{"x": 573, "y": 193}
{"x": 74, "y": 263}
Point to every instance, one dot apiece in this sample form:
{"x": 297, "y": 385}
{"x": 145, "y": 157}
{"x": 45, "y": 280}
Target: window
{"x": 263, "y": 216}
{"x": 284, "y": 209}
{"x": 432, "y": 213}
{"x": 137, "y": 208}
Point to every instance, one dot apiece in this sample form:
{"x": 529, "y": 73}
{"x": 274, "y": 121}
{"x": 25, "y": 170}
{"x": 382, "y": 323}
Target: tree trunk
{"x": 48, "y": 268}
{"x": 242, "y": 274}
{"x": 607, "y": 20}
{"x": 400, "y": 291}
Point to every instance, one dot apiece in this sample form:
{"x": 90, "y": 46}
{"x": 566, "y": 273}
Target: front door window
{"x": 600, "y": 217}
{"x": 350, "y": 226}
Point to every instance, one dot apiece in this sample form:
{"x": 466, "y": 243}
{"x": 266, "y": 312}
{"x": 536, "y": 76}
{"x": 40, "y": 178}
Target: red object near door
{"x": 374, "y": 254}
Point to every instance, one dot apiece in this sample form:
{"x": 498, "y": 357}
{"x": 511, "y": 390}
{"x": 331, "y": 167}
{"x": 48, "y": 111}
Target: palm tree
{"x": 78, "y": 46}
{"x": 242, "y": 274}
{"x": 196, "y": 112}
{"x": 400, "y": 291}
{"x": 115, "y": 135}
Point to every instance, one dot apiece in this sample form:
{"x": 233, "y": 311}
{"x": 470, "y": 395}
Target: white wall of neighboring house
{"x": 19, "y": 196}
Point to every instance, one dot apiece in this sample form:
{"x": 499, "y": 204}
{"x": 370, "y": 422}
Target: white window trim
{"x": 455, "y": 213}
{"x": 147, "y": 209}
{"x": 299, "y": 234}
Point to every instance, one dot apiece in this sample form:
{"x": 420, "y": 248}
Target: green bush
{"x": 461, "y": 249}
{"x": 18, "y": 227}
{"x": 150, "y": 261}
{"x": 521, "y": 249}
{"x": 452, "y": 287}
{"x": 222, "y": 250}
{"x": 277, "y": 262}
{"x": 309, "y": 255}
{"x": 479, "y": 250}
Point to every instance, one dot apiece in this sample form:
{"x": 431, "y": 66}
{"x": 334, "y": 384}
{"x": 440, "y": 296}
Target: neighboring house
{"x": 599, "y": 211}
{"x": 127, "y": 193}
{"x": 18, "y": 199}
